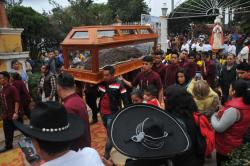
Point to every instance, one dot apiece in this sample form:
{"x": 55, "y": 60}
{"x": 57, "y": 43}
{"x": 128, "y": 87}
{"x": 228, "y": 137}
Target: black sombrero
{"x": 147, "y": 132}
{"x": 50, "y": 122}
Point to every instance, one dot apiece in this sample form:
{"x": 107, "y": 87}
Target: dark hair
{"x": 191, "y": 54}
{"x": 175, "y": 52}
{"x": 5, "y": 74}
{"x": 158, "y": 53}
{"x": 47, "y": 67}
{"x": 152, "y": 90}
{"x": 52, "y": 148}
{"x": 66, "y": 81}
{"x": 111, "y": 69}
{"x": 14, "y": 62}
{"x": 179, "y": 101}
{"x": 243, "y": 66}
{"x": 16, "y": 76}
{"x": 186, "y": 75}
{"x": 148, "y": 59}
{"x": 137, "y": 92}
{"x": 242, "y": 89}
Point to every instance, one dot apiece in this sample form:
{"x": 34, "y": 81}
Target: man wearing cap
{"x": 52, "y": 130}
{"x": 10, "y": 106}
{"x": 75, "y": 105}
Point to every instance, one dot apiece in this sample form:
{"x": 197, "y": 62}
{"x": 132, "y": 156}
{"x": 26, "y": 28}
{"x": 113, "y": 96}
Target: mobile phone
{"x": 28, "y": 149}
{"x": 198, "y": 76}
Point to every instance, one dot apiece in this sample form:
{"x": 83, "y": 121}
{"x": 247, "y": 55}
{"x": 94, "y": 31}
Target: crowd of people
{"x": 189, "y": 82}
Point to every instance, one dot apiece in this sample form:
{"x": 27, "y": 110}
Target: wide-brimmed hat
{"x": 50, "y": 122}
{"x": 147, "y": 132}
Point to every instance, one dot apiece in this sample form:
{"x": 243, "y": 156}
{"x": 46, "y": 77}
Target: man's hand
{"x": 15, "y": 116}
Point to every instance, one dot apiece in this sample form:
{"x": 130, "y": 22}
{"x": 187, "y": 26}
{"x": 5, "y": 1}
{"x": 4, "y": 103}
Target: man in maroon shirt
{"x": 74, "y": 104}
{"x": 158, "y": 66}
{"x": 10, "y": 106}
{"x": 183, "y": 59}
{"x": 171, "y": 70}
{"x": 191, "y": 67}
{"x": 209, "y": 70}
{"x": 147, "y": 77}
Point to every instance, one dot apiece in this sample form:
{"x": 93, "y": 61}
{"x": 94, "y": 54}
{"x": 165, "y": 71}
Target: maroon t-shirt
{"x": 160, "y": 70}
{"x": 9, "y": 96}
{"x": 144, "y": 79}
{"x": 210, "y": 76}
{"x": 23, "y": 93}
{"x": 75, "y": 105}
{"x": 191, "y": 68}
{"x": 170, "y": 75}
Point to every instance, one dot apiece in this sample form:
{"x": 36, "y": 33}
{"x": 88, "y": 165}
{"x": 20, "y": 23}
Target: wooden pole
{"x": 95, "y": 60}
{"x": 3, "y": 16}
{"x": 65, "y": 57}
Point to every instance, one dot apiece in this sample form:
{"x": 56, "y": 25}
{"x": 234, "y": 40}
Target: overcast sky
{"x": 155, "y": 5}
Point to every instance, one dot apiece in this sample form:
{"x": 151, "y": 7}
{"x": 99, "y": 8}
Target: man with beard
{"x": 158, "y": 66}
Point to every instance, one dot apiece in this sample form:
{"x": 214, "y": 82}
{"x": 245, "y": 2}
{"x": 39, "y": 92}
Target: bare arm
{"x": 129, "y": 84}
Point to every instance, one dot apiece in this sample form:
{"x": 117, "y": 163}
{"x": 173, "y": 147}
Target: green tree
{"x": 36, "y": 27}
{"x": 241, "y": 16}
{"x": 128, "y": 10}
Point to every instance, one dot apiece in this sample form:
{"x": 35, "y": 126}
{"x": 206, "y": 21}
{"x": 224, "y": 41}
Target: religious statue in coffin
{"x": 217, "y": 37}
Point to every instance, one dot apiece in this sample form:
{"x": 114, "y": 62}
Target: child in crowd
{"x": 150, "y": 95}
{"x": 136, "y": 96}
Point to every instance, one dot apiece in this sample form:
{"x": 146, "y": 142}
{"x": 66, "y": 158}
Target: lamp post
{"x": 164, "y": 27}
{"x": 192, "y": 29}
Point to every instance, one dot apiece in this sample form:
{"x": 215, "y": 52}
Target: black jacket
{"x": 227, "y": 77}
{"x": 116, "y": 92}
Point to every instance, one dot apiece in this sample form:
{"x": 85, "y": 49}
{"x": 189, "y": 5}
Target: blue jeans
{"x": 107, "y": 119}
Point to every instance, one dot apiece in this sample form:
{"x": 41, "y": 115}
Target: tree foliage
{"x": 128, "y": 10}
{"x": 36, "y": 26}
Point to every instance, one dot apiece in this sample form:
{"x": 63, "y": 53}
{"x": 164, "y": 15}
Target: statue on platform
{"x": 217, "y": 38}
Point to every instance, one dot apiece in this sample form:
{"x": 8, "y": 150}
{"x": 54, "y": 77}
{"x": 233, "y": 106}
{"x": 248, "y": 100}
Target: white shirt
{"x": 185, "y": 47}
{"x": 199, "y": 48}
{"x": 84, "y": 157}
{"x": 193, "y": 47}
{"x": 243, "y": 55}
{"x": 207, "y": 47}
{"x": 232, "y": 49}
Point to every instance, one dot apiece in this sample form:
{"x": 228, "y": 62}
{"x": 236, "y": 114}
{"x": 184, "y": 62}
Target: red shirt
{"x": 74, "y": 104}
{"x": 9, "y": 96}
{"x": 144, "y": 79}
{"x": 105, "y": 105}
{"x": 154, "y": 102}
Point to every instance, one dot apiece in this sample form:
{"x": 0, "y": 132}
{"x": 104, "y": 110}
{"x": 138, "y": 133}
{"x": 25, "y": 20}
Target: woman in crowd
{"x": 17, "y": 68}
{"x": 182, "y": 78}
{"x": 181, "y": 105}
{"x": 206, "y": 99}
{"x": 231, "y": 123}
